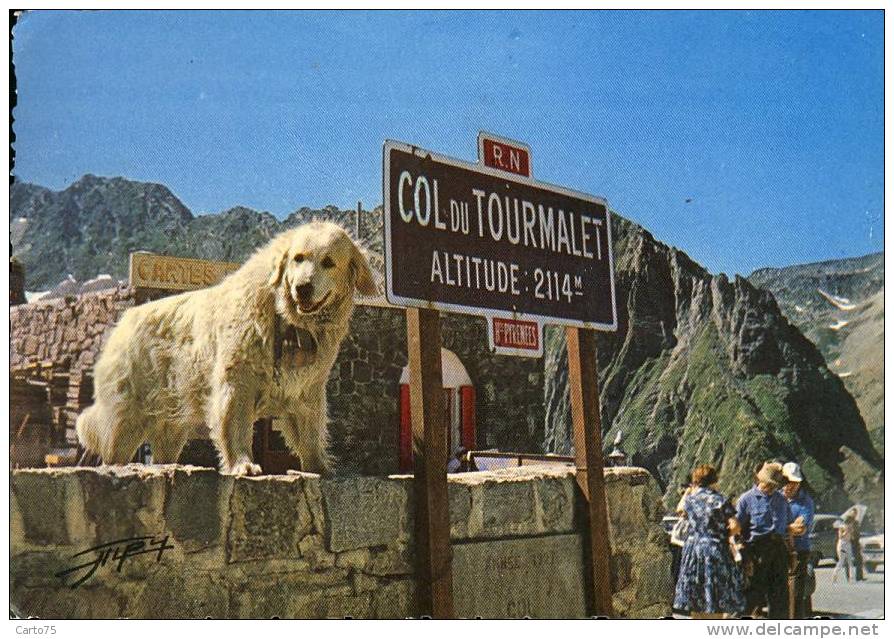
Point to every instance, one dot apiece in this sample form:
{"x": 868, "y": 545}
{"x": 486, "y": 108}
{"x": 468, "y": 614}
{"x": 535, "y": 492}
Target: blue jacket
{"x": 761, "y": 515}
{"x": 802, "y": 506}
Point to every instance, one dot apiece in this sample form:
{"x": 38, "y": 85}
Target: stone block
{"x": 51, "y": 506}
{"x": 538, "y": 577}
{"x": 170, "y": 594}
{"x": 364, "y": 583}
{"x": 556, "y": 500}
{"x": 396, "y": 560}
{"x": 268, "y": 518}
{"x": 395, "y": 599}
{"x": 460, "y": 504}
{"x": 293, "y": 596}
{"x": 44, "y": 499}
{"x": 97, "y": 602}
{"x": 277, "y": 599}
{"x": 507, "y": 508}
{"x": 17, "y": 541}
{"x": 314, "y": 551}
{"x": 314, "y": 496}
{"x": 364, "y": 511}
{"x": 343, "y": 603}
{"x": 625, "y": 512}
{"x": 654, "y": 582}
{"x": 356, "y": 559}
{"x": 124, "y": 501}
{"x": 197, "y": 508}
{"x": 38, "y": 569}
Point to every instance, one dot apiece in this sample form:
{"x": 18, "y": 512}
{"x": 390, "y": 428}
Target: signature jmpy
{"x": 115, "y": 551}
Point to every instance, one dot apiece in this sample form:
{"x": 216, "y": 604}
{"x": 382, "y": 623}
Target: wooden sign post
{"x": 435, "y": 580}
{"x": 486, "y": 239}
{"x": 583, "y": 386}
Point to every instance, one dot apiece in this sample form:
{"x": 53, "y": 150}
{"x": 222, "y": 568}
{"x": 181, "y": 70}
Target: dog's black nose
{"x": 305, "y": 291}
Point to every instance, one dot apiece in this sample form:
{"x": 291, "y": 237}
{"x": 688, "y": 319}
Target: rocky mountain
{"x": 839, "y": 305}
{"x": 703, "y": 369}
{"x": 93, "y": 225}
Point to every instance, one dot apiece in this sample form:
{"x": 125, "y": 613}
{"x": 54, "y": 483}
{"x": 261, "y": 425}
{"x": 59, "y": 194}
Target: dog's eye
{"x": 299, "y": 258}
{"x": 327, "y": 262}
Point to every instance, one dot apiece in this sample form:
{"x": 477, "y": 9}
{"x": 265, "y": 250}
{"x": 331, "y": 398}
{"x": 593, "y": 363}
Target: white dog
{"x": 224, "y": 356}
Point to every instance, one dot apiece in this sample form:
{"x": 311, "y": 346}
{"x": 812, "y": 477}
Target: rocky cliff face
{"x": 703, "y": 370}
{"x": 94, "y": 223}
{"x": 840, "y": 306}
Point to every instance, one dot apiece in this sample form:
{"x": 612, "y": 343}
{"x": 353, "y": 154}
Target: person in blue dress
{"x": 710, "y": 582}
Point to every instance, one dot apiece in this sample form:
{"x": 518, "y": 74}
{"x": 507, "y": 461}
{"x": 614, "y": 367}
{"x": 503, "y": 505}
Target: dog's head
{"x": 317, "y": 266}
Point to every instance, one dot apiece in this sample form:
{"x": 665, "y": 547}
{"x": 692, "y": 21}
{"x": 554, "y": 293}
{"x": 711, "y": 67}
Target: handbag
{"x": 680, "y": 532}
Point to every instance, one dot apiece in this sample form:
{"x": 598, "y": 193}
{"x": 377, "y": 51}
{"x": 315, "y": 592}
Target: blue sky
{"x": 770, "y": 122}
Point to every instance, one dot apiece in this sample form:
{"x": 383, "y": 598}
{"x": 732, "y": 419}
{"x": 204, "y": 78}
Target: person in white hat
{"x": 801, "y": 579}
{"x": 766, "y": 523}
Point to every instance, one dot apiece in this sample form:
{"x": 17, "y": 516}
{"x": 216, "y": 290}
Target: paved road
{"x": 861, "y": 600}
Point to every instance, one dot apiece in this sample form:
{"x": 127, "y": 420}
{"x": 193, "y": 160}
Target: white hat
{"x": 792, "y": 472}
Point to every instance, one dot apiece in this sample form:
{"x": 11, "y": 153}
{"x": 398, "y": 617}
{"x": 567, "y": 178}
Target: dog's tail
{"x": 89, "y": 430}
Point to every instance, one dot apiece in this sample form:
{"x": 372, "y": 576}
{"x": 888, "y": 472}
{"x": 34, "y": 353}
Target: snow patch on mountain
{"x": 841, "y": 303}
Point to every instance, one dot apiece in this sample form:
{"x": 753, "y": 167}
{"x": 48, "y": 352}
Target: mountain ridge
{"x": 93, "y": 224}
{"x": 701, "y": 369}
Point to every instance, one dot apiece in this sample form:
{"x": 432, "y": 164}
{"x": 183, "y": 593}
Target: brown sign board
{"x": 165, "y": 272}
{"x": 471, "y": 239}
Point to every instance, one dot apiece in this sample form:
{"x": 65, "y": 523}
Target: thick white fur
{"x": 206, "y": 357}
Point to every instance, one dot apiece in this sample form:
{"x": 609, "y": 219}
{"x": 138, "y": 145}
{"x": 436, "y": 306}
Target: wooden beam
{"x": 427, "y": 414}
{"x": 584, "y": 389}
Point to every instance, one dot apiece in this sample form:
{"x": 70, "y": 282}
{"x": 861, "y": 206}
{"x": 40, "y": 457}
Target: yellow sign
{"x": 176, "y": 273}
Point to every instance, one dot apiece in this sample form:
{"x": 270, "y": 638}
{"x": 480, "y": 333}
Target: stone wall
{"x": 296, "y": 546}
{"x": 65, "y": 332}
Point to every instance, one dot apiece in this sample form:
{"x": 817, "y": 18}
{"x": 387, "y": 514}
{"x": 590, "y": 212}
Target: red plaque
{"x": 505, "y": 155}
{"x": 516, "y": 334}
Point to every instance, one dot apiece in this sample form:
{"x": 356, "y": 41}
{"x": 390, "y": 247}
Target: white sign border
{"x": 397, "y": 300}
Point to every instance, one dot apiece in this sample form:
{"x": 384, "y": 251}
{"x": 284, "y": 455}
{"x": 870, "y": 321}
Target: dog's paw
{"x": 245, "y": 469}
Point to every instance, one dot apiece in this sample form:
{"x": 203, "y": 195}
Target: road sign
{"x": 473, "y": 239}
{"x": 504, "y": 154}
{"x": 166, "y": 272}
{"x": 470, "y": 239}
{"x": 515, "y": 337}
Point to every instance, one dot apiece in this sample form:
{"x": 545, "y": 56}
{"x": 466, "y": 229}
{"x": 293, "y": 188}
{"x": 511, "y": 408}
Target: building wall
{"x": 363, "y": 389}
{"x": 67, "y": 333}
{"x": 296, "y": 546}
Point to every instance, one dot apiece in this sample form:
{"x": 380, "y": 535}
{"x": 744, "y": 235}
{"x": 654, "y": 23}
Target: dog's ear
{"x": 363, "y": 276}
{"x": 279, "y": 252}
